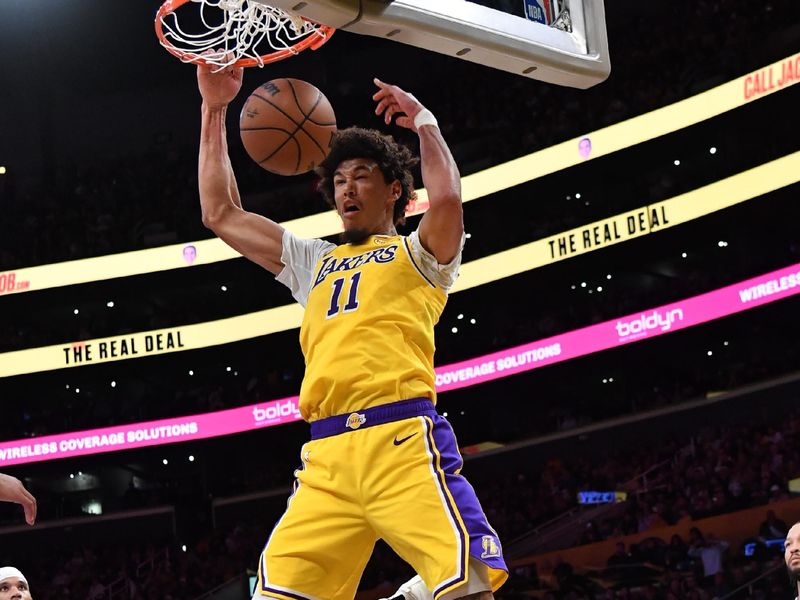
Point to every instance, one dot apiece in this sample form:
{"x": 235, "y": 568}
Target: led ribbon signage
{"x": 643, "y": 221}
{"x": 639, "y": 326}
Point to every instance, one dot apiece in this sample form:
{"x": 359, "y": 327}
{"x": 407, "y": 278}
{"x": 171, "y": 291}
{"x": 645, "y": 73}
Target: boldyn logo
{"x": 275, "y": 411}
{"x": 644, "y": 323}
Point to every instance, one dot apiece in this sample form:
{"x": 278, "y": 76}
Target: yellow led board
{"x": 594, "y": 236}
{"x": 714, "y": 102}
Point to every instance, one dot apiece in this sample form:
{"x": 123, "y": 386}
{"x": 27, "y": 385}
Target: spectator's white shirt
{"x": 711, "y": 556}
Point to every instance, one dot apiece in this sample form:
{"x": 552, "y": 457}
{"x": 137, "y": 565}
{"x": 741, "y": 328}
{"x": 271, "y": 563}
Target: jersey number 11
{"x": 352, "y": 297}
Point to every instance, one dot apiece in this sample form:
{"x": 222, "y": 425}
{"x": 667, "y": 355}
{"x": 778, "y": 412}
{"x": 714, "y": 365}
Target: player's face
{"x": 792, "y": 552}
{"x": 364, "y": 200}
{"x": 14, "y": 589}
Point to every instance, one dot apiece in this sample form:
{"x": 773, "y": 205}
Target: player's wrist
{"x": 214, "y": 107}
{"x": 425, "y": 117}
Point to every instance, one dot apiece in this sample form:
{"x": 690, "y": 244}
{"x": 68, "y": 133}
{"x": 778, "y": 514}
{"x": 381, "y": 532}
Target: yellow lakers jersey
{"x": 367, "y": 333}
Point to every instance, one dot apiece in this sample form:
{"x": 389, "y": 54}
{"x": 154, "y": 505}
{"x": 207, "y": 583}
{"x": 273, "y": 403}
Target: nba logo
{"x": 355, "y": 420}
{"x": 490, "y": 547}
{"x": 540, "y": 11}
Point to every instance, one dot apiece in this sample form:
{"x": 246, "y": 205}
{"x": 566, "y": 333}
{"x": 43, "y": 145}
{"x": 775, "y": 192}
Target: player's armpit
{"x": 253, "y": 236}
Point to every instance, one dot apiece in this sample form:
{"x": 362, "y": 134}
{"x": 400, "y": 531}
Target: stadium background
{"x": 99, "y": 142}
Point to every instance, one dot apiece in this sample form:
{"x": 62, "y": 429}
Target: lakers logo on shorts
{"x": 490, "y": 547}
{"x": 355, "y": 420}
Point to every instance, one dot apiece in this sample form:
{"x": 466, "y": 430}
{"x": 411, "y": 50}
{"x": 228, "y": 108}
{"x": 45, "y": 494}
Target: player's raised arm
{"x": 254, "y": 236}
{"x": 442, "y": 227}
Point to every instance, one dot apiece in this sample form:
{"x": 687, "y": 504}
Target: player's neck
{"x": 389, "y": 230}
{"x": 359, "y": 236}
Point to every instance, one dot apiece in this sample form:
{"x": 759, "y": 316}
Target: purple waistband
{"x": 377, "y": 415}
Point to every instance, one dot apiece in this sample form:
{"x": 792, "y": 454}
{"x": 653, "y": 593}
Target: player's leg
{"x": 429, "y": 514}
{"x": 321, "y": 544}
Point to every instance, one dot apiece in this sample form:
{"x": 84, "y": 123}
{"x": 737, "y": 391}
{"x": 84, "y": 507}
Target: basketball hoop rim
{"x": 316, "y": 39}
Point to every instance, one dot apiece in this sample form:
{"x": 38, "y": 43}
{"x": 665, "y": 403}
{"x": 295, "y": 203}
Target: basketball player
{"x": 381, "y": 462}
{"x": 13, "y": 585}
{"x": 12, "y": 490}
{"x": 792, "y": 557}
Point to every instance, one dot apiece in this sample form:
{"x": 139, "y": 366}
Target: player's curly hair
{"x": 394, "y": 160}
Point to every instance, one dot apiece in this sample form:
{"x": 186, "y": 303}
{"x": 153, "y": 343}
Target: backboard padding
{"x": 577, "y": 58}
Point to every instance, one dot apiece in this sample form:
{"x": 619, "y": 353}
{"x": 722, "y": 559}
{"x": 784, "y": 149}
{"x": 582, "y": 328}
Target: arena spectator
{"x": 711, "y": 552}
{"x": 772, "y": 528}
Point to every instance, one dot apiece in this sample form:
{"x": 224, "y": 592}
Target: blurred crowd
{"x": 652, "y": 570}
{"x": 719, "y": 470}
{"x": 698, "y": 568}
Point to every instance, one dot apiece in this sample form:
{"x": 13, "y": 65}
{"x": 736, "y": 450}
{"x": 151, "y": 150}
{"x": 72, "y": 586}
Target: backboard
{"x": 559, "y": 41}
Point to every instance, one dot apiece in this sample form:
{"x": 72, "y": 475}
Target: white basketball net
{"x": 245, "y": 27}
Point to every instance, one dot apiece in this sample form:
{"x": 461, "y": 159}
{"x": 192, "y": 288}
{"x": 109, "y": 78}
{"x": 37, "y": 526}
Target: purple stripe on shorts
{"x": 484, "y": 543}
{"x": 281, "y": 593}
{"x": 440, "y": 480}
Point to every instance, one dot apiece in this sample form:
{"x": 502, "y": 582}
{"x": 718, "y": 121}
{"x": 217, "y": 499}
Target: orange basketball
{"x": 286, "y": 126}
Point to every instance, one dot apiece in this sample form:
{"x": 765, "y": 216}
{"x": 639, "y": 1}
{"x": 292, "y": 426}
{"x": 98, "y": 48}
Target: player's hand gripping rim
{"x": 218, "y": 86}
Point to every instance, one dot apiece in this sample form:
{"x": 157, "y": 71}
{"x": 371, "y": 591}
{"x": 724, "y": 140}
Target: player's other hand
{"x": 393, "y": 100}
{"x": 220, "y": 87}
{"x": 12, "y": 490}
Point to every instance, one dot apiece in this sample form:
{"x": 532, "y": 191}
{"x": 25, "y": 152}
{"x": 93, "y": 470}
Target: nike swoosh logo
{"x": 403, "y": 440}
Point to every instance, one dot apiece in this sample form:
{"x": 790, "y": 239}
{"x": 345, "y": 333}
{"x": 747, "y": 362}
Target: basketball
{"x": 286, "y": 126}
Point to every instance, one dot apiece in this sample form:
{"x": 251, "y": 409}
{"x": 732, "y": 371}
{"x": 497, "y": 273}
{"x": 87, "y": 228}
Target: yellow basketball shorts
{"x": 389, "y": 472}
